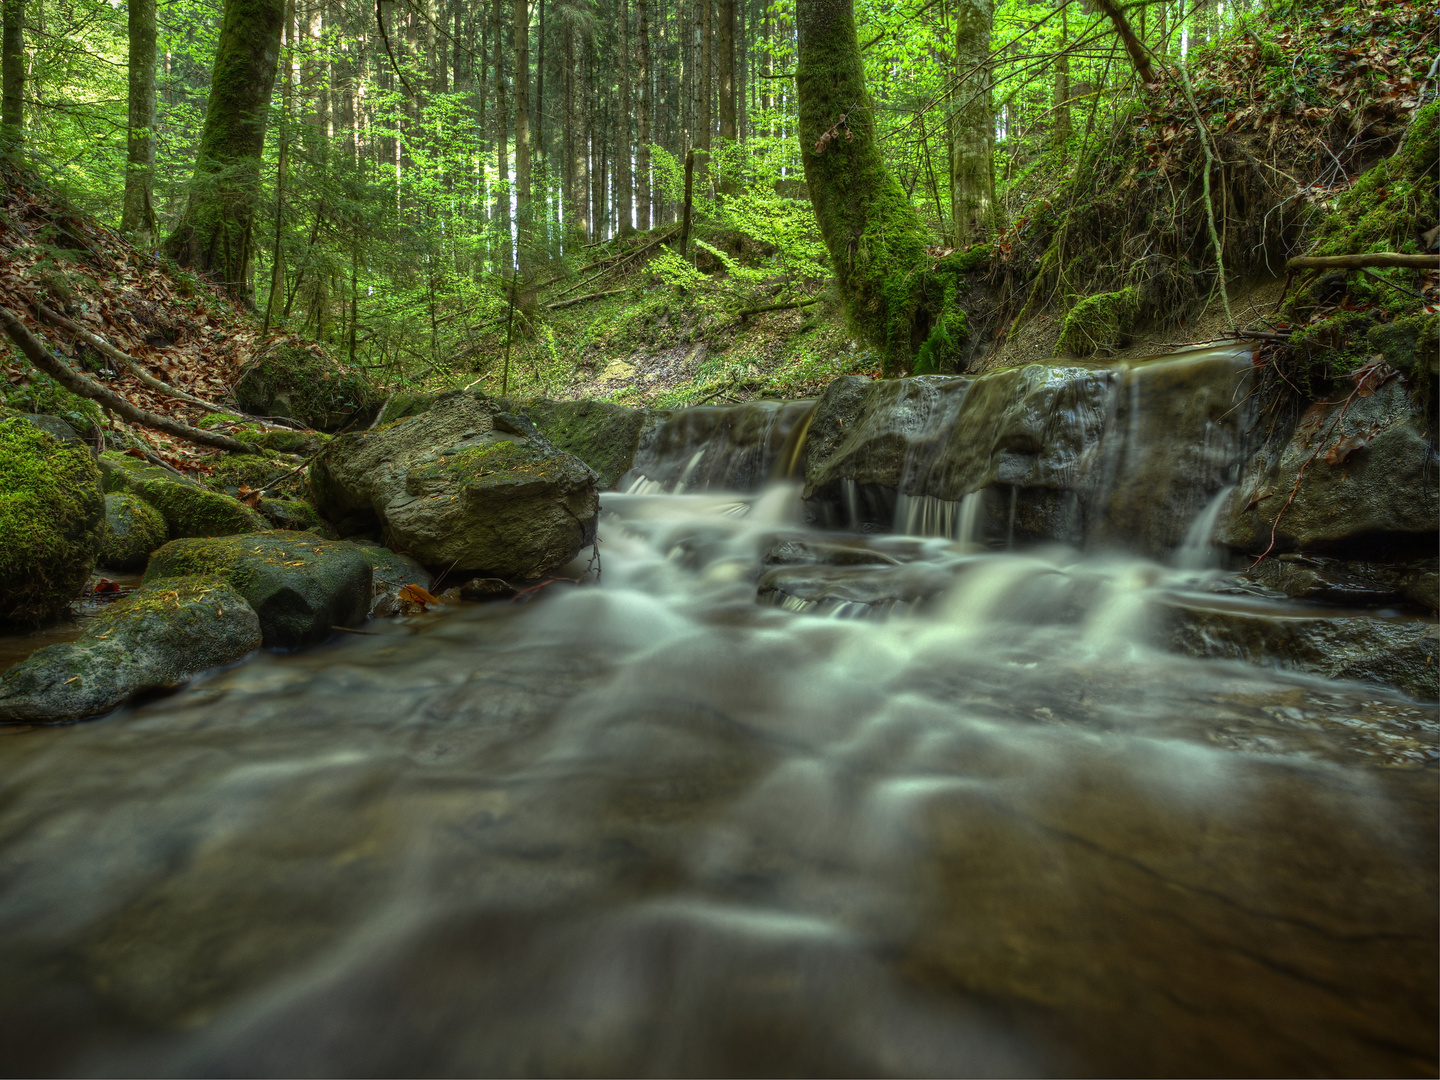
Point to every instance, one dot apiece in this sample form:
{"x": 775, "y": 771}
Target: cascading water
{"x": 650, "y": 826}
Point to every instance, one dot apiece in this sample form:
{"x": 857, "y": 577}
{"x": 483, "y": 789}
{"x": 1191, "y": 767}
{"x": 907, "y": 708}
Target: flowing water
{"x": 927, "y": 808}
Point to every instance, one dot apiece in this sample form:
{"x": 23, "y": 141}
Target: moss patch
{"x": 602, "y": 435}
{"x": 133, "y": 529}
{"x": 188, "y": 509}
{"x": 1100, "y": 321}
{"x": 38, "y": 393}
{"x": 309, "y": 387}
{"x": 51, "y": 512}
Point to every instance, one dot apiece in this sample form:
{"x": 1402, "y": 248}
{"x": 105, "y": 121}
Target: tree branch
{"x": 1358, "y": 262}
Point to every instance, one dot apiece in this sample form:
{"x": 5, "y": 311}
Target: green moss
{"x": 133, "y": 529}
{"x": 501, "y": 461}
{"x": 41, "y": 394}
{"x": 602, "y": 435}
{"x": 188, "y": 509}
{"x": 403, "y": 404}
{"x": 311, "y": 388}
{"x": 51, "y": 510}
{"x": 215, "y": 421}
{"x": 1411, "y": 346}
{"x": 1100, "y": 321}
{"x": 254, "y": 471}
{"x": 282, "y": 440}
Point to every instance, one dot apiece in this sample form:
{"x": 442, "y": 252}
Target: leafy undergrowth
{"x": 181, "y": 330}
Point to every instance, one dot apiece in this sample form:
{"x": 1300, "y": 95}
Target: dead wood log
{"x": 36, "y": 352}
{"x": 1359, "y": 262}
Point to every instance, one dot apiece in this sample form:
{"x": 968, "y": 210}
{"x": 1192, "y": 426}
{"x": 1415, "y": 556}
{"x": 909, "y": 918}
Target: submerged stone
{"x": 154, "y": 639}
{"x": 51, "y": 515}
{"x": 456, "y": 490}
{"x": 300, "y": 586}
{"x": 133, "y": 530}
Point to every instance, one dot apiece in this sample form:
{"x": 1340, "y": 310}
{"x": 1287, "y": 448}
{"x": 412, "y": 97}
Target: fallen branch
{"x": 1358, "y": 262}
{"x": 36, "y": 352}
{"x": 747, "y": 312}
{"x": 1259, "y": 335}
{"x": 125, "y": 360}
{"x": 581, "y": 299}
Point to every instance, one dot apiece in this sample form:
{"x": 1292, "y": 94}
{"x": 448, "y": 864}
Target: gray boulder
{"x": 1368, "y": 482}
{"x": 300, "y": 586}
{"x": 154, "y": 639}
{"x": 602, "y": 435}
{"x": 133, "y": 530}
{"x": 462, "y": 487}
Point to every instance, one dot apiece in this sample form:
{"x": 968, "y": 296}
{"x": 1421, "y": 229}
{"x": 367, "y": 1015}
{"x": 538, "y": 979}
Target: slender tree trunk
{"x": 876, "y": 241}
{"x": 504, "y": 252}
{"x": 216, "y": 235}
{"x": 1061, "y": 103}
{"x": 276, "y": 300}
{"x": 12, "y": 76}
{"x": 1133, "y": 46}
{"x": 642, "y": 152}
{"x": 705, "y": 120}
{"x": 624, "y": 182}
{"x": 972, "y": 126}
{"x": 524, "y": 212}
{"x": 137, "y": 220}
{"x": 725, "y": 42}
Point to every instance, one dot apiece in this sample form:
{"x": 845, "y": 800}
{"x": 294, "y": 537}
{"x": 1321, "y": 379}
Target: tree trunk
{"x": 725, "y": 42}
{"x": 12, "y": 77}
{"x": 706, "y": 77}
{"x": 875, "y": 239}
{"x": 216, "y": 235}
{"x": 1061, "y": 103}
{"x": 624, "y": 182}
{"x": 504, "y": 252}
{"x": 524, "y": 213}
{"x": 137, "y": 220}
{"x": 642, "y": 152}
{"x": 1133, "y": 46}
{"x": 972, "y": 126}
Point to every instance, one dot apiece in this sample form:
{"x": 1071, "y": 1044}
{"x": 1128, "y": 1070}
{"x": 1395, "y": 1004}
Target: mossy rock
{"x": 1102, "y": 321}
{"x": 51, "y": 514}
{"x": 393, "y": 571}
{"x": 133, "y": 529}
{"x": 298, "y": 516}
{"x": 300, "y": 586}
{"x": 602, "y": 435}
{"x": 54, "y": 426}
{"x": 230, "y": 472}
{"x": 403, "y": 404}
{"x": 1412, "y": 346}
{"x": 188, "y": 508}
{"x": 281, "y": 440}
{"x": 301, "y": 385}
{"x": 154, "y": 639}
{"x": 43, "y": 395}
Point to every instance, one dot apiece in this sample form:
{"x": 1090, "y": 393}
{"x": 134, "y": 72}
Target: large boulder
{"x": 1356, "y": 476}
{"x": 154, "y": 639}
{"x": 300, "y": 586}
{"x": 306, "y": 385}
{"x": 602, "y": 435}
{"x": 133, "y": 530}
{"x": 462, "y": 486}
{"x": 51, "y": 514}
{"x": 188, "y": 508}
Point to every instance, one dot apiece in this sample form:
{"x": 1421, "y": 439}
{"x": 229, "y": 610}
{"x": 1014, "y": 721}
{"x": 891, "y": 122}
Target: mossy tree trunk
{"x": 12, "y": 76}
{"x": 216, "y": 235}
{"x": 138, "y": 217}
{"x": 875, "y": 239}
{"x": 972, "y": 126}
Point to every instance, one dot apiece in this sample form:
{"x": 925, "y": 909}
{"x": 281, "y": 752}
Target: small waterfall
{"x": 738, "y": 448}
{"x": 1196, "y": 551}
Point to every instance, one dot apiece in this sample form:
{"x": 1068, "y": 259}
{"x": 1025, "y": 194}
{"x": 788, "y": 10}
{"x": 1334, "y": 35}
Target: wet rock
{"x": 188, "y": 508}
{"x": 1396, "y": 653}
{"x": 1126, "y": 455}
{"x": 391, "y": 572}
{"x": 51, "y": 515}
{"x": 301, "y": 384}
{"x": 298, "y": 515}
{"x": 455, "y": 491}
{"x": 802, "y": 551}
{"x": 300, "y": 586}
{"x": 736, "y": 448}
{"x": 133, "y": 530}
{"x": 154, "y": 639}
{"x": 853, "y": 591}
{"x": 1368, "y": 483}
{"x": 602, "y": 435}
{"x": 486, "y": 588}
{"x": 1345, "y": 583}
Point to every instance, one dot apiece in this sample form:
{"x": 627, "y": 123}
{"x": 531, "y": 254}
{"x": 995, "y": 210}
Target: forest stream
{"x": 767, "y": 798}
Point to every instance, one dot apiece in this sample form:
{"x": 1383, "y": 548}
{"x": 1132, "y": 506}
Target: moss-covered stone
{"x": 188, "y": 508}
{"x": 392, "y": 572}
{"x": 403, "y": 404}
{"x": 39, "y": 393}
{"x": 281, "y": 440}
{"x": 255, "y": 471}
{"x": 1102, "y": 321}
{"x": 300, "y": 586}
{"x": 133, "y": 529}
{"x": 298, "y": 516}
{"x": 302, "y": 385}
{"x": 602, "y": 435}
{"x": 51, "y": 514}
{"x": 155, "y": 638}
{"x": 1411, "y": 345}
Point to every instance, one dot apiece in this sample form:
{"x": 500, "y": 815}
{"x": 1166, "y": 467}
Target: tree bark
{"x": 524, "y": 212}
{"x": 1061, "y": 104}
{"x": 216, "y": 234}
{"x": 642, "y": 151}
{"x": 12, "y": 76}
{"x": 137, "y": 220}
{"x": 876, "y": 241}
{"x": 504, "y": 251}
{"x": 1359, "y": 262}
{"x": 725, "y": 43}
{"x": 1138, "y": 56}
{"x": 705, "y": 121}
{"x": 972, "y": 126}
{"x": 624, "y": 181}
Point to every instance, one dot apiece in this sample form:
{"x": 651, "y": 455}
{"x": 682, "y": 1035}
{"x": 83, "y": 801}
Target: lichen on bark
{"x": 893, "y": 296}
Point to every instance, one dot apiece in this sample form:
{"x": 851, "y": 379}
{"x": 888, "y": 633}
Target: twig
{"x": 1386, "y": 281}
{"x": 582, "y": 299}
{"x": 72, "y": 380}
